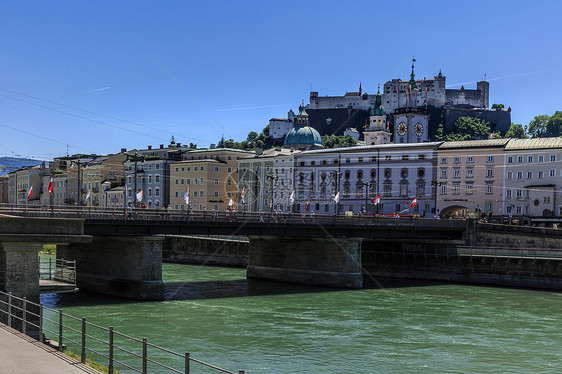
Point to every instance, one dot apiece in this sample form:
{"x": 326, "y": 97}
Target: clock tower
{"x": 411, "y": 125}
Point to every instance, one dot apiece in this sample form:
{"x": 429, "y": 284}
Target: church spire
{"x": 360, "y": 90}
{"x": 413, "y": 84}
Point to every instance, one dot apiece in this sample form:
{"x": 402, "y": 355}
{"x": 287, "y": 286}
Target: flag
{"x": 231, "y": 202}
{"x": 50, "y": 189}
{"x": 377, "y": 200}
{"x": 306, "y": 206}
{"x": 242, "y": 195}
{"x": 414, "y": 202}
{"x": 30, "y": 192}
{"x": 139, "y": 196}
{"x": 292, "y": 197}
{"x": 186, "y": 195}
{"x": 337, "y": 197}
{"x": 87, "y": 196}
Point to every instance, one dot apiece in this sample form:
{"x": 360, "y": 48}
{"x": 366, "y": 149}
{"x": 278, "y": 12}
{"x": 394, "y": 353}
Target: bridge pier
{"x": 125, "y": 266}
{"x": 328, "y": 262}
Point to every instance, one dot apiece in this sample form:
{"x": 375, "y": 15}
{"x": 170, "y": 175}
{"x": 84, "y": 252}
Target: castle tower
{"x": 378, "y": 132}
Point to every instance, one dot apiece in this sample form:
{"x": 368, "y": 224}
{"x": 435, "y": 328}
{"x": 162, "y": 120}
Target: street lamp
{"x": 337, "y": 175}
{"x": 436, "y": 184}
{"x": 367, "y": 185}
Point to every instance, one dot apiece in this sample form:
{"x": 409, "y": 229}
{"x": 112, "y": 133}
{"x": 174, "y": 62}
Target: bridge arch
{"x": 454, "y": 211}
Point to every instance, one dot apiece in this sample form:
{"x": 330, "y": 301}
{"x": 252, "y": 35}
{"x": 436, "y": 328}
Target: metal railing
{"x": 208, "y": 217}
{"x": 59, "y": 269}
{"x": 507, "y": 253}
{"x": 105, "y": 342}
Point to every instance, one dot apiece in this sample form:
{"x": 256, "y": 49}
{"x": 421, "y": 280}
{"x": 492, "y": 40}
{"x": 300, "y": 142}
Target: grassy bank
{"x": 49, "y": 248}
{"x": 91, "y": 363}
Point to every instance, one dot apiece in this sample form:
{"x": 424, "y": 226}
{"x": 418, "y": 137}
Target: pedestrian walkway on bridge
{"x": 21, "y": 354}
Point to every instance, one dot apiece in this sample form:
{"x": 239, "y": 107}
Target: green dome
{"x": 378, "y": 109}
{"x": 303, "y": 137}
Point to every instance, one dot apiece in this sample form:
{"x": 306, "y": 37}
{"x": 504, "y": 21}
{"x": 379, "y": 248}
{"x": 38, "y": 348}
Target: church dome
{"x": 303, "y": 137}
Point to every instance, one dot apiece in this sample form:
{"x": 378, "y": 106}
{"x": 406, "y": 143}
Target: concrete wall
{"x": 205, "y": 251}
{"x": 329, "y": 262}
{"x": 118, "y": 265}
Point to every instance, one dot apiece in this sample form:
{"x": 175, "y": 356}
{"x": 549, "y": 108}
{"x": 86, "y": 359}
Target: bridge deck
{"x": 52, "y": 286}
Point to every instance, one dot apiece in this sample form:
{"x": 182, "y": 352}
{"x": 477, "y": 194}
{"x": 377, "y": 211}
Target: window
{"x": 552, "y": 173}
{"x": 456, "y": 173}
{"x": 510, "y": 159}
{"x": 177, "y": 181}
{"x": 196, "y": 168}
{"x": 177, "y": 194}
{"x": 519, "y": 193}
{"x": 546, "y": 199}
{"x": 490, "y": 158}
{"x": 508, "y": 194}
{"x": 387, "y": 158}
{"x": 182, "y": 169}
{"x": 541, "y": 174}
{"x": 421, "y": 157}
{"x": 216, "y": 168}
{"x": 489, "y": 188}
{"x": 229, "y": 169}
{"x": 405, "y": 157}
{"x": 469, "y": 172}
{"x": 519, "y": 175}
{"x": 469, "y": 189}
{"x": 456, "y": 188}
{"x": 194, "y": 193}
{"x": 360, "y": 159}
{"x": 347, "y": 160}
{"x": 182, "y": 181}
{"x": 156, "y": 191}
{"x": 519, "y": 159}
{"x": 201, "y": 181}
{"x": 443, "y": 173}
{"x": 229, "y": 182}
{"x": 188, "y": 168}
{"x": 552, "y": 158}
{"x": 456, "y": 160}
{"x": 469, "y": 159}
{"x": 403, "y": 189}
{"x": 216, "y": 193}
{"x": 530, "y": 159}
{"x": 489, "y": 172}
{"x": 216, "y": 181}
{"x": 443, "y": 189}
{"x": 443, "y": 160}
{"x": 200, "y": 193}
{"x": 529, "y": 175}
{"x": 387, "y": 189}
{"x": 541, "y": 158}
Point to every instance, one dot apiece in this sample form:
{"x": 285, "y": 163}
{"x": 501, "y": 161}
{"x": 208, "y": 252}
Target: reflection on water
{"x": 267, "y": 327}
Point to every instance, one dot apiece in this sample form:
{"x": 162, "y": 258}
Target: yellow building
{"x": 210, "y": 176}
{"x": 103, "y": 168}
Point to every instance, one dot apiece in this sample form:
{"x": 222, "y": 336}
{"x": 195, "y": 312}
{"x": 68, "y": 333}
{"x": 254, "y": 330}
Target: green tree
{"x": 469, "y": 128}
{"x": 537, "y": 127}
{"x": 516, "y": 131}
{"x": 498, "y": 106}
{"x": 554, "y": 125}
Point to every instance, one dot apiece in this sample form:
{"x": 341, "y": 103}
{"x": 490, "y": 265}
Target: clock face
{"x": 419, "y": 129}
{"x": 402, "y": 128}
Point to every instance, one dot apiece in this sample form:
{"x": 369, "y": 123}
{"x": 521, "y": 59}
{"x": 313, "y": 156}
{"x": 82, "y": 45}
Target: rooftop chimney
{"x": 123, "y": 150}
{"x": 161, "y": 146}
{"x": 179, "y": 144}
{"x": 149, "y": 147}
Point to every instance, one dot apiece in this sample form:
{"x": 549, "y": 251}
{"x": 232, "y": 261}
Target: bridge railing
{"x": 473, "y": 252}
{"x": 103, "y": 343}
{"x": 58, "y": 269}
{"x": 203, "y": 216}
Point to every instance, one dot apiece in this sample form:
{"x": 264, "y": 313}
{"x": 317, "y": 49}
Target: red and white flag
{"x": 377, "y": 200}
{"x": 50, "y": 189}
{"x": 306, "y": 206}
{"x": 337, "y": 197}
{"x": 414, "y": 202}
{"x": 30, "y": 192}
{"x": 243, "y": 194}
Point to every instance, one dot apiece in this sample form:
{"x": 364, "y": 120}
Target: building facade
{"x": 532, "y": 177}
{"x": 470, "y": 177}
{"x": 397, "y": 172}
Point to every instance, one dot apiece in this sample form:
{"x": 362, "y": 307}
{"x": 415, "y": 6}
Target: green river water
{"x": 402, "y": 327}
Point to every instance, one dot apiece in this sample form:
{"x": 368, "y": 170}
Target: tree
{"x": 554, "y": 125}
{"x": 469, "y": 128}
{"x": 498, "y": 106}
{"x": 516, "y": 131}
{"x": 333, "y": 141}
{"x": 537, "y": 127}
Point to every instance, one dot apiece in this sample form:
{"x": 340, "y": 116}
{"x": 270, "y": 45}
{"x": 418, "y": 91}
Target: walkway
{"x": 20, "y": 354}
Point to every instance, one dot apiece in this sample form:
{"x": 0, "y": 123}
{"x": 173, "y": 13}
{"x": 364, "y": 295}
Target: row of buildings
{"x": 493, "y": 177}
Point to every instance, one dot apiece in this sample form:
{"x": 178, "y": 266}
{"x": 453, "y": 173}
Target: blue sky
{"x": 103, "y": 75}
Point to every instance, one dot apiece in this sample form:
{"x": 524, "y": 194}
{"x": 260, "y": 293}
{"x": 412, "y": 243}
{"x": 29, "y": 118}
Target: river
{"x": 390, "y": 327}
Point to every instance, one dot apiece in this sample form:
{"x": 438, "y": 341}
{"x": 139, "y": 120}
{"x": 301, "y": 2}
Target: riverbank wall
{"x": 214, "y": 251}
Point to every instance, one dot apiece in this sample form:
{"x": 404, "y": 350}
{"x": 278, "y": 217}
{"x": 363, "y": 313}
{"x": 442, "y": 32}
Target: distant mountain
{"x": 9, "y": 164}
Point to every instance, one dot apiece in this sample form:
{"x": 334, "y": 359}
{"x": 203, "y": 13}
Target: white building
{"x": 397, "y": 172}
{"x": 279, "y": 127}
{"x": 532, "y": 174}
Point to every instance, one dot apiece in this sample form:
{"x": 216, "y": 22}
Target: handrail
{"x": 60, "y": 270}
{"x": 20, "y": 312}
